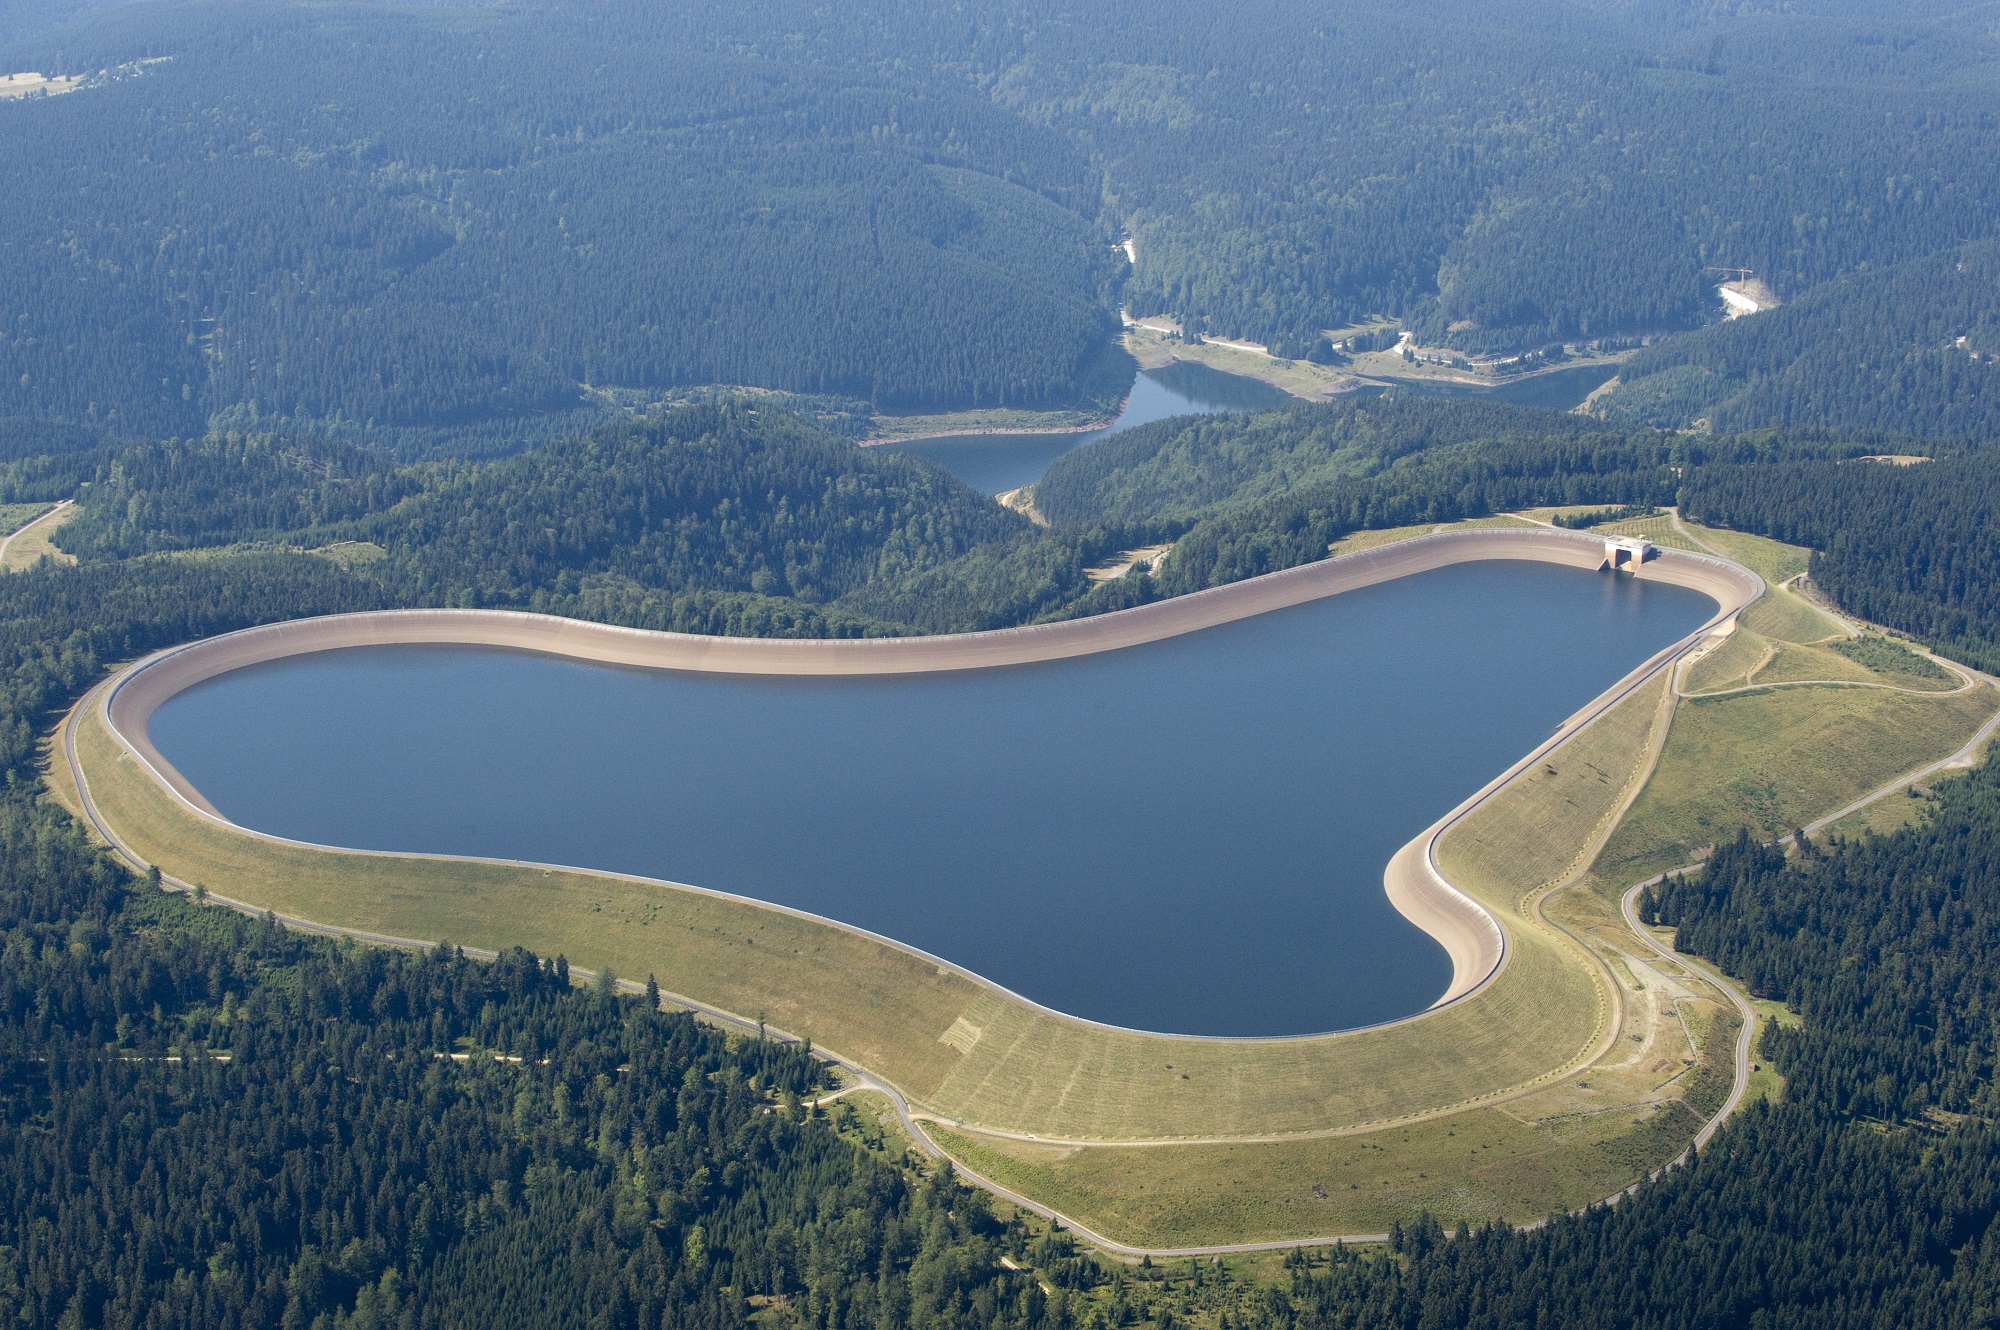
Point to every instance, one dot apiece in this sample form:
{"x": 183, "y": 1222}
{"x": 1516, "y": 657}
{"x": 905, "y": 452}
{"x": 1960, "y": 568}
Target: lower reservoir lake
{"x": 1187, "y": 836}
{"x": 996, "y": 463}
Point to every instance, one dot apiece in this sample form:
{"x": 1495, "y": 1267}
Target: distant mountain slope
{"x": 712, "y": 499}
{"x": 466, "y": 228}
{"x": 25, "y": 18}
{"x": 1496, "y": 176}
{"x": 1178, "y": 471}
{"x": 446, "y": 218}
{"x": 1906, "y": 350}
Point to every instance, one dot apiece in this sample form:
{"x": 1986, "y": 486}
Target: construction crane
{"x": 1742, "y": 274}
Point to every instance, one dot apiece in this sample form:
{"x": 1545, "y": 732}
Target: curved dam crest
{"x": 1317, "y": 964}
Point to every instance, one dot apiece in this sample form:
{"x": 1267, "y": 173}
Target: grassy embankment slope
{"x": 1499, "y": 1107}
{"x": 959, "y": 1049}
{"x": 1775, "y": 758}
{"x": 1638, "y": 1103}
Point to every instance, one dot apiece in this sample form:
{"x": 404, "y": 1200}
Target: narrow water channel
{"x": 1187, "y": 836}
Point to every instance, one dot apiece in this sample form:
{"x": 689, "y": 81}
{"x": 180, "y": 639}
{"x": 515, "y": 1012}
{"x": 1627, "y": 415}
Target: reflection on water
{"x": 996, "y": 463}
{"x": 1184, "y": 836}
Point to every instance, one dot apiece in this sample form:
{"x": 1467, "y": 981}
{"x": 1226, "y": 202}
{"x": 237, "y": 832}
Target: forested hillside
{"x": 740, "y": 520}
{"x": 725, "y": 498}
{"x": 707, "y": 520}
{"x": 1907, "y": 349}
{"x": 1914, "y": 547}
{"x": 731, "y": 519}
{"x": 1180, "y": 469}
{"x": 1251, "y": 495}
{"x": 1462, "y": 194}
{"x": 534, "y": 215}
{"x": 522, "y": 206}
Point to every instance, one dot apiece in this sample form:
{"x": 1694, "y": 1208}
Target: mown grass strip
{"x": 1772, "y": 761}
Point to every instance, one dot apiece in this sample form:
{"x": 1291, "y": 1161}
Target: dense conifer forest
{"x": 534, "y": 213}
{"x": 206, "y": 1114}
{"x": 748, "y": 520}
{"x": 1914, "y": 547}
{"x": 1907, "y": 349}
{"x": 316, "y": 308}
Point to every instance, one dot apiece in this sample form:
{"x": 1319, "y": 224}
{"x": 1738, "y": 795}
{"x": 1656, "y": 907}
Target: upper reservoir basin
{"x": 996, "y": 463}
{"x": 1185, "y": 836}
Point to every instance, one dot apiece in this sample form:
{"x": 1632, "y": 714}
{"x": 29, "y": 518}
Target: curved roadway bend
{"x": 1471, "y": 935}
{"x": 1746, "y": 1037}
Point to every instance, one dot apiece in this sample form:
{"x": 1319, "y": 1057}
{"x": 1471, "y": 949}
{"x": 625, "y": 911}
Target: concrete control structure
{"x": 1627, "y": 552}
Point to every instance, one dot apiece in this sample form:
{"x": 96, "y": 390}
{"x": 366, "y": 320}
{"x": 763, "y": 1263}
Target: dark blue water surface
{"x": 996, "y": 463}
{"x": 1187, "y": 836}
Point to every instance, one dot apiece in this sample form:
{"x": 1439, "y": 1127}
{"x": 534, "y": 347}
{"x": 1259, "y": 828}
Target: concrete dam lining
{"x": 1472, "y": 937}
